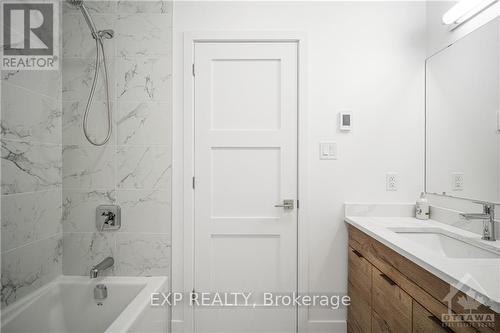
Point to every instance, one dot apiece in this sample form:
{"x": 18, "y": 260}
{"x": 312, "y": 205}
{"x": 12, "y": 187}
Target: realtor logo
{"x": 30, "y": 35}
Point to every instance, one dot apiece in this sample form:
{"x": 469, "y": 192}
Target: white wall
{"x": 367, "y": 57}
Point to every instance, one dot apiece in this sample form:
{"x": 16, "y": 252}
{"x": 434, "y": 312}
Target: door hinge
{"x": 193, "y": 69}
{"x": 194, "y": 182}
{"x": 298, "y": 205}
{"x": 193, "y": 296}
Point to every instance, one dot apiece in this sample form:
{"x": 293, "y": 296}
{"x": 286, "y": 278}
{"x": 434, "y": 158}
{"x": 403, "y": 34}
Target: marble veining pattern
{"x": 29, "y": 116}
{"x": 145, "y": 210}
{"x": 122, "y": 6}
{"x": 133, "y": 169}
{"x": 31, "y": 174}
{"x": 97, "y": 122}
{"x": 143, "y": 254}
{"x": 83, "y": 250}
{"x": 27, "y": 268}
{"x": 143, "y": 167}
{"x": 79, "y": 208}
{"x": 35, "y": 81}
{"x": 157, "y": 6}
{"x": 28, "y": 217}
{"x": 78, "y": 74}
{"x": 142, "y": 79}
{"x": 77, "y": 40}
{"x": 143, "y": 123}
{"x": 94, "y": 7}
{"x": 143, "y": 35}
{"x": 30, "y": 166}
{"x": 135, "y": 254}
{"x": 88, "y": 167}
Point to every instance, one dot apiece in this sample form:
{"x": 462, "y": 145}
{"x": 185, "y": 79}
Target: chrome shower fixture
{"x": 99, "y": 37}
{"x": 76, "y": 2}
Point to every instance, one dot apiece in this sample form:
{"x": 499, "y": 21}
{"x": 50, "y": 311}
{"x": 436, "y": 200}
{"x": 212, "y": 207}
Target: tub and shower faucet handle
{"x": 108, "y": 218}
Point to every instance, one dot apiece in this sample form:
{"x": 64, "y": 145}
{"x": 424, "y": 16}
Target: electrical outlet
{"x": 457, "y": 181}
{"x": 391, "y": 181}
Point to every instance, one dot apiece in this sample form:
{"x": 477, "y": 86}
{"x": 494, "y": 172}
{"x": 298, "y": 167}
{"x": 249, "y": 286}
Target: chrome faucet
{"x": 105, "y": 264}
{"x": 488, "y": 217}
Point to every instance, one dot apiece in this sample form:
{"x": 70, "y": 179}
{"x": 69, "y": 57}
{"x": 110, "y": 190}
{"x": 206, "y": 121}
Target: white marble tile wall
{"x": 134, "y": 169}
{"x": 31, "y": 181}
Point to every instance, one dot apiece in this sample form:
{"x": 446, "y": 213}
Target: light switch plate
{"x": 327, "y": 150}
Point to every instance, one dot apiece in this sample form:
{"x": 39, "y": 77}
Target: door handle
{"x": 287, "y": 204}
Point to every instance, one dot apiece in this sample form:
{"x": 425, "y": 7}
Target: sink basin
{"x": 447, "y": 245}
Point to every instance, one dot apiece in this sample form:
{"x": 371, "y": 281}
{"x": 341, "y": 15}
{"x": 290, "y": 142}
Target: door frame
{"x": 182, "y": 277}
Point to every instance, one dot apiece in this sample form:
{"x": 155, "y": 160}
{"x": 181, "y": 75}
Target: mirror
{"x": 462, "y": 117}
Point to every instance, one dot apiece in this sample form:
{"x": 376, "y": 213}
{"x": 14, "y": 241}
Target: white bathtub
{"x": 67, "y": 305}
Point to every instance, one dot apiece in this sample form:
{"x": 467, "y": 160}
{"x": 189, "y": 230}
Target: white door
{"x": 245, "y": 164}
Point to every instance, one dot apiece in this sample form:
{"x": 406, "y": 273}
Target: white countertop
{"x": 478, "y": 278}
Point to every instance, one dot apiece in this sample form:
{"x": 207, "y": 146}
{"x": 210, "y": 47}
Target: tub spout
{"x": 105, "y": 264}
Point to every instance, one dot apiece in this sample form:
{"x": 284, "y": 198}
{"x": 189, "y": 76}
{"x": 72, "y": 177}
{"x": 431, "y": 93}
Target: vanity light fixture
{"x": 465, "y": 10}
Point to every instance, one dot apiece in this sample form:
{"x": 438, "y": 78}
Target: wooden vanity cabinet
{"x": 425, "y": 322}
{"x": 360, "y": 290}
{"x": 389, "y": 293}
{"x": 391, "y": 304}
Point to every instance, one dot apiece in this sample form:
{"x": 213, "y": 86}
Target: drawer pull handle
{"x": 356, "y": 252}
{"x": 388, "y": 279}
{"x": 438, "y": 322}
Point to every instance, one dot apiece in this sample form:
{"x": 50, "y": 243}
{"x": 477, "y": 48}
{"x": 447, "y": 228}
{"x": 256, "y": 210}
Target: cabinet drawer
{"x": 359, "y": 289}
{"x": 360, "y": 274}
{"x": 392, "y": 306}
{"x": 425, "y": 322}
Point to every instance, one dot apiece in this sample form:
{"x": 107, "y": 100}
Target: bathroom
{"x": 125, "y": 209}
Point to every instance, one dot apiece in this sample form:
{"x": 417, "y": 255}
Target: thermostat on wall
{"x": 345, "y": 121}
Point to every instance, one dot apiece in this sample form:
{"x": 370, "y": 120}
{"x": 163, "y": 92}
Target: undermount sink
{"x": 446, "y": 245}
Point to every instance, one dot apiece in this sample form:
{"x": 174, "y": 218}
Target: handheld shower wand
{"x": 99, "y": 36}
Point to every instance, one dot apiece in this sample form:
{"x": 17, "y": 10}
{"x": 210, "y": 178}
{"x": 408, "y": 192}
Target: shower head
{"x": 76, "y": 3}
{"x": 81, "y": 5}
